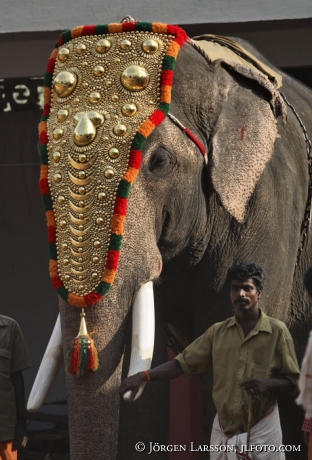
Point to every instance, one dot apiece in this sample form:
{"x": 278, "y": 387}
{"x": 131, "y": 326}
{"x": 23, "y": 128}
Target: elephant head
{"x": 188, "y": 212}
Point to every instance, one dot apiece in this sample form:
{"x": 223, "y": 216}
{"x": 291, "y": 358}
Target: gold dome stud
{"x": 96, "y": 118}
{"x": 94, "y": 275}
{"x": 60, "y": 199}
{"x": 97, "y": 244}
{"x": 108, "y": 83}
{"x": 125, "y": 44}
{"x": 81, "y": 204}
{"x": 82, "y": 174}
{"x": 80, "y": 48}
{"x": 63, "y": 223}
{"x": 80, "y": 238}
{"x": 115, "y": 98}
{"x": 135, "y": 78}
{"x": 120, "y": 130}
{"x": 63, "y": 54}
{"x": 98, "y": 70}
{"x": 95, "y": 260}
{"x": 62, "y": 115}
{"x": 84, "y": 132}
{"x": 64, "y": 246}
{"x": 82, "y": 158}
{"x": 100, "y": 221}
{"x": 58, "y": 133}
{"x": 56, "y": 156}
{"x": 65, "y": 83}
{"x": 66, "y": 277}
{"x": 150, "y": 46}
{"x": 65, "y": 261}
{"x": 57, "y": 178}
{"x": 109, "y": 173}
{"x": 129, "y": 110}
{"x": 103, "y": 46}
{"x": 102, "y": 196}
{"x": 85, "y": 127}
{"x": 113, "y": 153}
{"x": 95, "y": 97}
{"x": 81, "y": 190}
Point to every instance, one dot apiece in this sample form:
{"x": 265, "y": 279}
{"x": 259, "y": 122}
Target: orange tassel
{"x": 93, "y": 363}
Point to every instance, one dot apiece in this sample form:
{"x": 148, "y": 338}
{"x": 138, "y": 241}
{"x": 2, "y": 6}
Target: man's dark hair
{"x": 243, "y": 271}
{"x": 308, "y": 280}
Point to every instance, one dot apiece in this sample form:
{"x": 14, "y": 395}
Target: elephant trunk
{"x": 93, "y": 399}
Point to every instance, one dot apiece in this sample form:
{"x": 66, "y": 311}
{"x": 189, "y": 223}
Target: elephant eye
{"x": 161, "y": 162}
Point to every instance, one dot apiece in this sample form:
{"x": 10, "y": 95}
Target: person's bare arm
{"x": 166, "y": 371}
{"x": 20, "y": 439}
{"x": 260, "y": 385}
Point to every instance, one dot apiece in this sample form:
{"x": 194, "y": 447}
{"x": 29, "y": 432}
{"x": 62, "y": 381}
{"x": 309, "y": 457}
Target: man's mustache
{"x": 241, "y": 299}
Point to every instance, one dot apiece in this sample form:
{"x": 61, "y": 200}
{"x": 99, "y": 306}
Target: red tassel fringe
{"x": 83, "y": 357}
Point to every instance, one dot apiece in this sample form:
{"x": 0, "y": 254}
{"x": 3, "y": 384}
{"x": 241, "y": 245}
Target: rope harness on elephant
{"x": 306, "y": 224}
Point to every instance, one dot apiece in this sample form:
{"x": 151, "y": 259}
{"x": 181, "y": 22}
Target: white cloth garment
{"x": 305, "y": 380}
{"x": 265, "y": 440}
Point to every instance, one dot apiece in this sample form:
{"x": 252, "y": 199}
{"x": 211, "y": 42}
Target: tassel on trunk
{"x": 83, "y": 356}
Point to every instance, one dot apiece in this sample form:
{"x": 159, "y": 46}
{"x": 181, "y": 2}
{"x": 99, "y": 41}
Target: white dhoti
{"x": 265, "y": 440}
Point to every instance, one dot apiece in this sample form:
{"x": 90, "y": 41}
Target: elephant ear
{"x": 244, "y": 137}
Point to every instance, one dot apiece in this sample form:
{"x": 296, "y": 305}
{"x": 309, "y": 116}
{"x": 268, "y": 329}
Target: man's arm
{"x": 260, "y": 385}
{"x": 165, "y": 371}
{"x": 20, "y": 439}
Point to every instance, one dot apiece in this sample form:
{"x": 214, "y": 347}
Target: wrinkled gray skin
{"x": 179, "y": 234}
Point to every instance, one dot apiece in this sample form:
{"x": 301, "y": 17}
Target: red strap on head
{"x": 190, "y": 135}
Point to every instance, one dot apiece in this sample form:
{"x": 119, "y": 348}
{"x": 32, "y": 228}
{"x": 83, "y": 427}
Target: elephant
{"x": 225, "y": 176}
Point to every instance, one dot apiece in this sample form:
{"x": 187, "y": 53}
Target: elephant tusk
{"x": 48, "y": 370}
{"x": 143, "y": 333}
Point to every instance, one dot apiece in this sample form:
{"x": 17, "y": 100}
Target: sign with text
{"x": 21, "y": 94}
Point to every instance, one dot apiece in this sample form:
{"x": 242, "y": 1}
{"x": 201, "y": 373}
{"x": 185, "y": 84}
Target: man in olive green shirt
{"x": 251, "y": 355}
{"x": 266, "y": 352}
{"x": 14, "y": 359}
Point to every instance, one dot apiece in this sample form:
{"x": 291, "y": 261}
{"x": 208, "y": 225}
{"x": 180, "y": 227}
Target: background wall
{"x": 37, "y": 15}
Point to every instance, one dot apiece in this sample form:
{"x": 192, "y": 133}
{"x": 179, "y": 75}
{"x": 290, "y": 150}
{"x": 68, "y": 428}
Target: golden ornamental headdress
{"x": 107, "y": 87}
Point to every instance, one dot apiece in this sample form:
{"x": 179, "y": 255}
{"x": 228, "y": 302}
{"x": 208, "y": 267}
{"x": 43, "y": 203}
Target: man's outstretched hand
{"x": 165, "y": 371}
{"x": 133, "y": 384}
